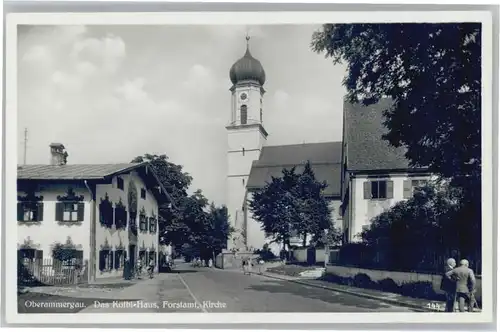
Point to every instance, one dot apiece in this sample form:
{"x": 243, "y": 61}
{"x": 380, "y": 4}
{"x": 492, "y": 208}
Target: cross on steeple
{"x": 247, "y": 37}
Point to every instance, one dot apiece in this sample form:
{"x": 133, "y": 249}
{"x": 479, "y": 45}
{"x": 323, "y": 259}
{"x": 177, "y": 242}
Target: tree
{"x": 398, "y": 233}
{"x": 218, "y": 230}
{"x": 313, "y": 209}
{"x": 432, "y": 73}
{"x": 273, "y": 206}
{"x": 176, "y": 182}
{"x": 293, "y": 203}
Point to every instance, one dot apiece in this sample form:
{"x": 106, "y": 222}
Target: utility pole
{"x": 25, "y": 143}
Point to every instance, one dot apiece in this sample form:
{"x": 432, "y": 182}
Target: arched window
{"x": 243, "y": 114}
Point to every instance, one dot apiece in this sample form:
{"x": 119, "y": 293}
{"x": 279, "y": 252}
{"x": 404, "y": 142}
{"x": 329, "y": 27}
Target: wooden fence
{"x": 49, "y": 271}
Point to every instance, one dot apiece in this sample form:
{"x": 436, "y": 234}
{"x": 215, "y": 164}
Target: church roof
{"x": 325, "y": 160}
{"x": 247, "y": 68}
{"x": 366, "y": 150}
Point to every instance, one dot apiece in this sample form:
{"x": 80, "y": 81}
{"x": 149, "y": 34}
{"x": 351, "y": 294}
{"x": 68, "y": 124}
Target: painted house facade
{"x": 103, "y": 213}
{"x": 375, "y": 175}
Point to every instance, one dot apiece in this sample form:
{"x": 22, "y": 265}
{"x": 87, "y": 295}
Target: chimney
{"x": 57, "y": 154}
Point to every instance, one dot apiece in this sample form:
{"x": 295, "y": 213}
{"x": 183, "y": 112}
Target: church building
{"x": 251, "y": 163}
{"x": 365, "y": 175}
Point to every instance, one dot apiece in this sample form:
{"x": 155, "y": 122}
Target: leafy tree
{"x": 176, "y": 182}
{"x": 333, "y": 238}
{"x": 192, "y": 226}
{"x": 273, "y": 206}
{"x": 217, "y": 231}
{"x": 313, "y": 209}
{"x": 292, "y": 204}
{"x": 432, "y": 73}
{"x": 398, "y": 233}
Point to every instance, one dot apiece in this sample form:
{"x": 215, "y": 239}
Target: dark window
{"x": 379, "y": 189}
{"x": 119, "y": 183}
{"x": 106, "y": 260}
{"x": 143, "y": 193}
{"x": 152, "y": 225}
{"x": 243, "y": 114}
{"x": 142, "y": 256}
{"x": 119, "y": 259}
{"x": 29, "y": 211}
{"x": 143, "y": 223}
{"x": 29, "y": 255}
{"x": 69, "y": 211}
{"x": 261, "y": 115}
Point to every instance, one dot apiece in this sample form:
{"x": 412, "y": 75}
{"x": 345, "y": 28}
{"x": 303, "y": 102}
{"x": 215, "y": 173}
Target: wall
{"x": 398, "y": 277}
{"x": 336, "y": 215}
{"x": 363, "y": 210}
{"x": 253, "y": 103}
{"x": 300, "y": 255}
{"x": 120, "y": 238}
{"x": 43, "y": 234}
{"x": 229, "y": 260}
{"x": 238, "y": 170}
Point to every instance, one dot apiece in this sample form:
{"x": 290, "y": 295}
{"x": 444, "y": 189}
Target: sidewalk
{"x": 392, "y": 298}
{"x": 104, "y": 288}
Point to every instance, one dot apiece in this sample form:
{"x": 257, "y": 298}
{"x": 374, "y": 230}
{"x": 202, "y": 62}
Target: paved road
{"x": 213, "y": 290}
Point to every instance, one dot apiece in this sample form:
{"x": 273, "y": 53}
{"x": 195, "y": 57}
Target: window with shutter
{"x": 29, "y": 211}
{"x": 407, "y": 189}
{"x": 119, "y": 183}
{"x": 69, "y": 211}
{"x": 389, "y": 189}
{"x": 367, "y": 190}
{"x": 380, "y": 189}
{"x": 81, "y": 212}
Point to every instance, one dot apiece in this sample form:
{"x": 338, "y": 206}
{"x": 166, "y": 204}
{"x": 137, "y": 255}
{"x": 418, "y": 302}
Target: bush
{"x": 265, "y": 253}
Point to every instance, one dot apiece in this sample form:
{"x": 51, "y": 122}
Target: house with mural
{"x": 375, "y": 175}
{"x": 101, "y": 214}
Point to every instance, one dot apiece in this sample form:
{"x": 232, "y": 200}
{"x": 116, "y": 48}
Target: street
{"x": 214, "y": 290}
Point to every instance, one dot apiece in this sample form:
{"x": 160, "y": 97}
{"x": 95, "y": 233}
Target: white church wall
{"x": 249, "y": 138}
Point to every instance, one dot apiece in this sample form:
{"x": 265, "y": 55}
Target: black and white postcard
{"x": 249, "y": 167}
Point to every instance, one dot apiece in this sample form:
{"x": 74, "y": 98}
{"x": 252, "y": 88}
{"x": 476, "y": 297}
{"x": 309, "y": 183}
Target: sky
{"x": 111, "y": 93}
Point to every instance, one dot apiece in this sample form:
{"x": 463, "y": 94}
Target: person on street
{"x": 151, "y": 267}
{"x": 449, "y": 286}
{"x": 465, "y": 284}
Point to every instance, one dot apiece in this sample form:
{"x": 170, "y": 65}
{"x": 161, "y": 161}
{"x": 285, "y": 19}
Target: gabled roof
{"x": 73, "y": 172}
{"x": 366, "y": 150}
{"x": 83, "y": 172}
{"x": 325, "y": 160}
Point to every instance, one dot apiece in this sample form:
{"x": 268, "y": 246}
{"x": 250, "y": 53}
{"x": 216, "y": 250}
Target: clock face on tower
{"x": 243, "y": 96}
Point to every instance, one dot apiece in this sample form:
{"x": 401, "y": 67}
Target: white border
{"x": 238, "y": 18}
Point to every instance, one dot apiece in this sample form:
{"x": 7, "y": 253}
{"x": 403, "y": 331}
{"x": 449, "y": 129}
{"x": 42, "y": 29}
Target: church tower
{"x": 246, "y": 136}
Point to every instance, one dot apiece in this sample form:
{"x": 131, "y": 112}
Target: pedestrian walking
{"x": 246, "y": 266}
{"x": 449, "y": 286}
{"x": 465, "y": 285}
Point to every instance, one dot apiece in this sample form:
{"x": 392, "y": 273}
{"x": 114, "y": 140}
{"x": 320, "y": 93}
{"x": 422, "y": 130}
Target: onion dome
{"x": 247, "y": 68}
